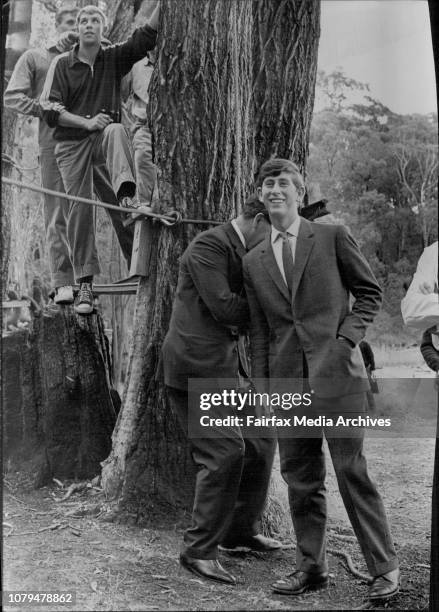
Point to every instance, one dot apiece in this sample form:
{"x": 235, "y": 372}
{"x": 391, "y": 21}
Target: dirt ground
{"x": 70, "y": 546}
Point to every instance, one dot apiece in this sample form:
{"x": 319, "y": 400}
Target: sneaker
{"x": 84, "y": 299}
{"x": 63, "y": 295}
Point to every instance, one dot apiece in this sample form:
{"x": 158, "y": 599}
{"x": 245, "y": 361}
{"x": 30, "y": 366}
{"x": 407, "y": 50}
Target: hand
{"x": 66, "y": 41}
{"x": 346, "y": 341}
{"x": 57, "y": 107}
{"x": 426, "y": 288}
{"x": 98, "y": 122}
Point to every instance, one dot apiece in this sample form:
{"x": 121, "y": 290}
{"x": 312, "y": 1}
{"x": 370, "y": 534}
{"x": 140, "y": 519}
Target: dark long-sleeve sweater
{"x": 86, "y": 90}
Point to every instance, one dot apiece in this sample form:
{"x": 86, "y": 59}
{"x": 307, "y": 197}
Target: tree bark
{"x": 198, "y": 113}
{"x": 59, "y": 410}
{"x": 206, "y": 149}
{"x": 284, "y": 74}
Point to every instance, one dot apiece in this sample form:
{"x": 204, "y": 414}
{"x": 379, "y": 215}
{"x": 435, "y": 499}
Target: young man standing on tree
{"x": 81, "y": 99}
{"x": 22, "y": 95}
{"x": 205, "y": 341}
{"x": 302, "y": 329}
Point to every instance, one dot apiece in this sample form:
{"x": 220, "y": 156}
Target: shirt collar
{"x": 293, "y": 229}
{"x": 238, "y": 231}
{"x": 73, "y": 55}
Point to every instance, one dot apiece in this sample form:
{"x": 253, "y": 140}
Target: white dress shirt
{"x": 276, "y": 243}
{"x": 419, "y": 310}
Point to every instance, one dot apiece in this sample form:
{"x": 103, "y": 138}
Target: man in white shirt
{"x": 420, "y": 310}
{"x": 304, "y": 333}
{"x": 420, "y": 306}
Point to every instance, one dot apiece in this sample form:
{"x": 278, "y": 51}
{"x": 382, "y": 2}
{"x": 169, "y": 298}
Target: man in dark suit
{"x": 205, "y": 340}
{"x": 298, "y": 282}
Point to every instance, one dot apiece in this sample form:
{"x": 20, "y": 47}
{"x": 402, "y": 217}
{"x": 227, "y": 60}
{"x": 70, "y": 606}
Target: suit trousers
{"x": 303, "y": 468}
{"x": 100, "y": 163}
{"x": 55, "y": 220}
{"x": 231, "y": 484}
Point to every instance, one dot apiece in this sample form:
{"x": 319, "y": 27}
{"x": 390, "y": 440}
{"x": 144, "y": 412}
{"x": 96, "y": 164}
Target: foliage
{"x": 379, "y": 172}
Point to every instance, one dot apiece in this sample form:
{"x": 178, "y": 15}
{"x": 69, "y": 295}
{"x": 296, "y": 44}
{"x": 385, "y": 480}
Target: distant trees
{"x": 379, "y": 171}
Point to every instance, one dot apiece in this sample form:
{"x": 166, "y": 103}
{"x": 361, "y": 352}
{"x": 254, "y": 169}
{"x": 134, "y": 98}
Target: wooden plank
{"x": 114, "y": 289}
{"x": 142, "y": 243}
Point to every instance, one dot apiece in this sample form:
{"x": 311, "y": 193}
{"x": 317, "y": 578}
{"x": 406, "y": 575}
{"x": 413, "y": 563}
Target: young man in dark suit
{"x": 205, "y": 340}
{"x": 297, "y": 283}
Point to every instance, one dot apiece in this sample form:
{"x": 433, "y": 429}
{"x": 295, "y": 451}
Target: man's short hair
{"x": 273, "y": 167}
{"x": 253, "y": 206}
{"x": 65, "y": 10}
{"x": 91, "y": 9}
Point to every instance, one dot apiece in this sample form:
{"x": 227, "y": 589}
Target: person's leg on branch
{"x": 104, "y": 192}
{"x": 146, "y": 171}
{"x": 113, "y": 146}
{"x": 55, "y": 220}
{"x": 75, "y": 162}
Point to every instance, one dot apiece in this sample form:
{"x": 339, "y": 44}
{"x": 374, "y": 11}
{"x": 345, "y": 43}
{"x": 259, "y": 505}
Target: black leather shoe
{"x": 385, "y": 586}
{"x": 207, "y": 568}
{"x": 257, "y": 542}
{"x": 298, "y": 582}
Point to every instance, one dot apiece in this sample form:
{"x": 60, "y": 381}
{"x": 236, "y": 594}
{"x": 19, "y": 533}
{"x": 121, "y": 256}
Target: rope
{"x": 172, "y": 218}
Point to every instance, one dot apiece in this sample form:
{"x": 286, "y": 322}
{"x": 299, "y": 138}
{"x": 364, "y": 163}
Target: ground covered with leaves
{"x": 64, "y": 538}
{"x": 60, "y": 538}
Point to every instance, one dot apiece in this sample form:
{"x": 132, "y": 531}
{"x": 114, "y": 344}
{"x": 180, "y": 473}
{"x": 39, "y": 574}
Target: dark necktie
{"x": 287, "y": 260}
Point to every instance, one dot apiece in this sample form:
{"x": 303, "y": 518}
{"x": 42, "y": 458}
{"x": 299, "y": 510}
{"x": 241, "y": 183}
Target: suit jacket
{"x": 328, "y": 265}
{"x": 209, "y": 301}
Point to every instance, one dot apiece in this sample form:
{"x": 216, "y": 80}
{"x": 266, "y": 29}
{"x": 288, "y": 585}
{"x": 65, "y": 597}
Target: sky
{"x": 385, "y": 43}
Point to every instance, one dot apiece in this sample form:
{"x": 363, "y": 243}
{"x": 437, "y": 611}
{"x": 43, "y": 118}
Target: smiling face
{"x": 281, "y": 197}
{"x": 90, "y": 28}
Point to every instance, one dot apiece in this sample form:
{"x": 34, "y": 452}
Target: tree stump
{"x": 59, "y": 405}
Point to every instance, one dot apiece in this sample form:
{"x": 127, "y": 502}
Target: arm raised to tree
{"x": 207, "y": 264}
{"x": 141, "y": 41}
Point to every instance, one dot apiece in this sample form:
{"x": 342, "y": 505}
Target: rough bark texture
{"x": 285, "y": 66}
{"x": 200, "y": 124}
{"x": 202, "y": 114}
{"x": 59, "y": 410}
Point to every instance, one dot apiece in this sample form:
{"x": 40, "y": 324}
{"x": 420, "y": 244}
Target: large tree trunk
{"x": 202, "y": 113}
{"x": 200, "y": 99}
{"x": 284, "y": 69}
